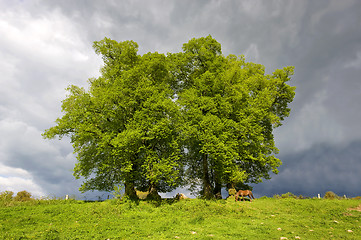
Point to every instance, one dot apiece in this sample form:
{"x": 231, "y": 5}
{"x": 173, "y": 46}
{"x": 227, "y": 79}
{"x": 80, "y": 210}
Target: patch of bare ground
{"x": 358, "y": 208}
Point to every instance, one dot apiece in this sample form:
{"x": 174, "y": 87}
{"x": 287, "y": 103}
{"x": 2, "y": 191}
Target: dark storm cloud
{"x": 46, "y": 46}
{"x": 322, "y": 168}
{"x": 49, "y": 164}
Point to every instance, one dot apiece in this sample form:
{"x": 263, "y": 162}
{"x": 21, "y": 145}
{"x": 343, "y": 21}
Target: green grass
{"x": 265, "y": 218}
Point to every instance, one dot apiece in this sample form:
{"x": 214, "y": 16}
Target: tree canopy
{"x": 194, "y": 118}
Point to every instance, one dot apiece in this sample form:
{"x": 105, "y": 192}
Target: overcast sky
{"x": 47, "y": 45}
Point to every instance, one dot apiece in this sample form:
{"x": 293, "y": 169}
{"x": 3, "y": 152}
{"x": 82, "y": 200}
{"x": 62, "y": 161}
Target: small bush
{"x": 276, "y": 196}
{"x": 23, "y": 196}
{"x": 6, "y": 196}
{"x": 331, "y": 195}
{"x": 118, "y": 191}
{"x": 288, "y": 195}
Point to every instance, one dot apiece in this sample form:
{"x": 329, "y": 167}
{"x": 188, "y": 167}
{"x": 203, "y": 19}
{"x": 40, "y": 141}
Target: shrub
{"x": 118, "y": 192}
{"x": 23, "y": 196}
{"x": 288, "y": 195}
{"x": 277, "y": 196}
{"x": 6, "y": 196}
{"x": 331, "y": 195}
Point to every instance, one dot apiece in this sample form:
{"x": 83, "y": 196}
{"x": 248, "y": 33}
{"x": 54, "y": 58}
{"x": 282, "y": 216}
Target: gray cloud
{"x": 322, "y": 168}
{"x": 46, "y": 46}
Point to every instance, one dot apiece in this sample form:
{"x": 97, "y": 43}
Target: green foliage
{"x": 23, "y": 196}
{"x": 264, "y": 197}
{"x": 158, "y": 121}
{"x": 118, "y": 191}
{"x": 52, "y": 234}
{"x": 303, "y": 197}
{"x": 123, "y": 129}
{"x": 331, "y": 195}
{"x": 6, "y": 196}
{"x": 232, "y": 191}
{"x": 229, "y": 108}
{"x": 142, "y": 195}
{"x": 288, "y": 195}
{"x": 276, "y": 196}
{"x": 265, "y": 218}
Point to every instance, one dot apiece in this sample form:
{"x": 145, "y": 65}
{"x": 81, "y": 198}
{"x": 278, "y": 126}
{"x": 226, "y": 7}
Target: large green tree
{"x": 230, "y": 108}
{"x": 151, "y": 121}
{"x": 123, "y": 128}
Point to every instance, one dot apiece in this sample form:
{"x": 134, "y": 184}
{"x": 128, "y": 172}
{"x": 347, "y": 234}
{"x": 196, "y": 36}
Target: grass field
{"x": 265, "y": 218}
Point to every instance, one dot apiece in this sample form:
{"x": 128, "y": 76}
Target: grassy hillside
{"x": 265, "y": 218}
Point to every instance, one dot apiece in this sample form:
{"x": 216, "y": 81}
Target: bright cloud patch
{"x": 17, "y": 179}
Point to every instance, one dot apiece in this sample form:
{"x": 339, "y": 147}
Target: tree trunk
{"x": 153, "y": 193}
{"x": 207, "y": 187}
{"x": 217, "y": 187}
{"x": 130, "y": 190}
